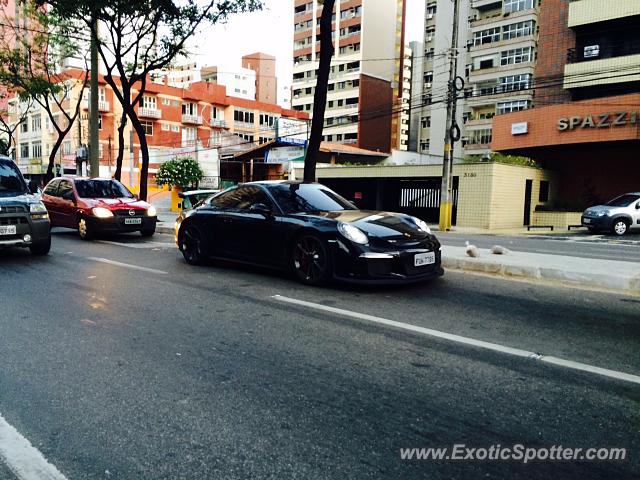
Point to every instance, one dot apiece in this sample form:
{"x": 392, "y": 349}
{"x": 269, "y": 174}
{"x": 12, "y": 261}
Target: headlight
{"x": 600, "y": 214}
{"x": 152, "y": 212}
{"x": 101, "y": 212}
{"x": 421, "y": 224}
{"x": 353, "y": 233}
{"x": 37, "y": 208}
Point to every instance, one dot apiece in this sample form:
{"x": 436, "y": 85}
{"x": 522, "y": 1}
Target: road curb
{"x": 164, "y": 229}
{"x": 627, "y": 284}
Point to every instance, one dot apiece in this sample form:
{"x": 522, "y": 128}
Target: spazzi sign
{"x": 600, "y": 120}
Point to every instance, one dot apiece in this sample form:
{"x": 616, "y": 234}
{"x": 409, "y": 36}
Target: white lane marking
{"x": 22, "y": 458}
{"x": 465, "y": 340}
{"x": 145, "y": 245}
{"x": 126, "y": 265}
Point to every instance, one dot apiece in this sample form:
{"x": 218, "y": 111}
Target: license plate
{"x": 132, "y": 221}
{"x": 8, "y": 230}
{"x": 586, "y": 220}
{"x": 421, "y": 259}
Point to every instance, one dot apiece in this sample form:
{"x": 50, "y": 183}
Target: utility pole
{"x": 94, "y": 139}
{"x": 451, "y": 128}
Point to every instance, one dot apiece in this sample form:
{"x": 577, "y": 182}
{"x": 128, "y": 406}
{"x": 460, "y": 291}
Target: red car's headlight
{"x": 101, "y": 212}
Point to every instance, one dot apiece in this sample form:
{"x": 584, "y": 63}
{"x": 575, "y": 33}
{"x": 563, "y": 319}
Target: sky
{"x": 270, "y": 31}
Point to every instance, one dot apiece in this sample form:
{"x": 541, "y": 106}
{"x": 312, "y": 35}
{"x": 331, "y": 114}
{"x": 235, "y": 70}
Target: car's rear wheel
{"x": 192, "y": 246}
{"x": 310, "y": 260}
{"x": 41, "y": 248}
{"x": 620, "y": 227}
{"x": 85, "y": 229}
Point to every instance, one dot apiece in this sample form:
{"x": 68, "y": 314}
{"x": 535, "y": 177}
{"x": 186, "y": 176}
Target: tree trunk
{"x": 144, "y": 152}
{"x": 121, "y": 145}
{"x": 52, "y": 155}
{"x": 320, "y": 96}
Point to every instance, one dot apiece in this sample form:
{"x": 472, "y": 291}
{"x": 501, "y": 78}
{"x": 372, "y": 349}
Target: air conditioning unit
{"x": 429, "y": 16}
{"x": 430, "y": 38}
{"x": 427, "y": 85}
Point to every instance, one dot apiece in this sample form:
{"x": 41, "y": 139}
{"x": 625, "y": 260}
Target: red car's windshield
{"x": 102, "y": 189}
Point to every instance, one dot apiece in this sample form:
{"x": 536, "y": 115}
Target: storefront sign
{"x": 600, "y": 120}
{"x": 519, "y": 128}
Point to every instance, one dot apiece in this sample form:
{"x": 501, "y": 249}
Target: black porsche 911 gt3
{"x": 312, "y": 231}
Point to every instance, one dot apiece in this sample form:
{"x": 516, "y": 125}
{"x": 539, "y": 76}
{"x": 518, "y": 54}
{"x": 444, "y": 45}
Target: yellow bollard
{"x": 176, "y": 201}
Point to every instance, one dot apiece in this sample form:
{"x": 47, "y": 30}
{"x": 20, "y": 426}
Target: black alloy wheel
{"x": 310, "y": 260}
{"x": 192, "y": 246}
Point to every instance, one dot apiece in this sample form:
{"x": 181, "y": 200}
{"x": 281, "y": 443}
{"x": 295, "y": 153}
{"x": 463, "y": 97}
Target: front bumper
{"x": 37, "y": 230}
{"x": 598, "y": 223}
{"x": 118, "y": 225}
{"x": 384, "y": 267}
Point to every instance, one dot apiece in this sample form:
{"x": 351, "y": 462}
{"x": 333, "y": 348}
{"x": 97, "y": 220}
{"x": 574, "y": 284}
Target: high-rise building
{"x": 496, "y": 57}
{"x": 241, "y": 82}
{"x": 365, "y": 70}
{"x": 586, "y": 121}
{"x": 266, "y": 82}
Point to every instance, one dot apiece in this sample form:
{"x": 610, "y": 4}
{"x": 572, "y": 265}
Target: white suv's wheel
{"x": 620, "y": 227}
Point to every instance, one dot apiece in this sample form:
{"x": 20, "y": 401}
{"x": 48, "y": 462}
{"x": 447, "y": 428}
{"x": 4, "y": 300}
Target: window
{"x": 175, "y": 128}
{"x": 65, "y": 190}
{"x": 480, "y": 137}
{"x": 517, "y": 5}
{"x": 52, "y": 188}
{"x": 241, "y": 198}
{"x": 513, "y": 106}
{"x": 544, "y": 191}
{"x": 426, "y": 122}
{"x": 66, "y": 147}
{"x": 486, "y": 36}
{"x": 486, "y": 63}
{"x": 165, "y": 127}
{"x": 24, "y": 126}
{"x": 189, "y": 108}
{"x": 36, "y": 149}
{"x": 517, "y": 30}
{"x": 189, "y": 136}
{"x": 36, "y": 123}
{"x": 308, "y": 197}
{"x": 24, "y": 150}
{"x": 243, "y": 116}
{"x": 517, "y": 55}
{"x": 148, "y": 128}
{"x": 102, "y": 95}
{"x": 149, "y": 101}
{"x": 99, "y": 122}
{"x": 166, "y": 101}
{"x": 515, "y": 82}
{"x": 424, "y": 145}
{"x": 102, "y": 189}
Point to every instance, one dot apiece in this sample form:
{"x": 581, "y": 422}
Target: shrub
{"x": 179, "y": 171}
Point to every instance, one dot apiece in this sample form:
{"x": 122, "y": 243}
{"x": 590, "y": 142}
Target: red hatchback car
{"x": 96, "y": 205}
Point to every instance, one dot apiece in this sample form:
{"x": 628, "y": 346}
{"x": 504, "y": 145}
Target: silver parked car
{"x": 619, "y": 215}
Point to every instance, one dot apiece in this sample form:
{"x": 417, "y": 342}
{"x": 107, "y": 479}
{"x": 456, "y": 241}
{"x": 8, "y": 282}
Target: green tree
{"x": 32, "y": 55}
{"x": 137, "y": 37}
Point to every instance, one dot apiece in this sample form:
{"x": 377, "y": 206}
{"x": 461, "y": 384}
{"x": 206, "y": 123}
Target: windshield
{"x": 623, "y": 201}
{"x": 11, "y": 182}
{"x": 308, "y": 198}
{"x": 102, "y": 189}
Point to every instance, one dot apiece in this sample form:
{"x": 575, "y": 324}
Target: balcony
{"x": 102, "y": 106}
{"x": 192, "y": 119}
{"x": 218, "y": 123}
{"x": 605, "y": 71}
{"x": 585, "y": 12}
{"x": 149, "y": 112}
{"x": 481, "y": 4}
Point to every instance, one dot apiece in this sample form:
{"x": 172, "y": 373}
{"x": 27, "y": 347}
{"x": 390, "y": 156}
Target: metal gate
{"x": 421, "y": 198}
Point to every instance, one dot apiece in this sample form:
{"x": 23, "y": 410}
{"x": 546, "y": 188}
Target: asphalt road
{"x": 607, "y": 247}
{"x": 121, "y": 361}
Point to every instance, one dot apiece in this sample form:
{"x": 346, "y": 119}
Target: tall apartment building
{"x": 365, "y": 70}
{"x": 585, "y": 126}
{"x": 266, "y": 81}
{"x": 497, "y": 51}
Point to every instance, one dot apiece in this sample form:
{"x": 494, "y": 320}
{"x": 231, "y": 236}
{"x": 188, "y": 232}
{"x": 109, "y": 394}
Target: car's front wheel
{"x": 85, "y": 229}
{"x": 192, "y": 246}
{"x": 148, "y": 232}
{"x": 41, "y": 248}
{"x": 620, "y": 227}
{"x": 310, "y": 260}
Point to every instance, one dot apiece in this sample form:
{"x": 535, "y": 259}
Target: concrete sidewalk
{"x": 578, "y": 271}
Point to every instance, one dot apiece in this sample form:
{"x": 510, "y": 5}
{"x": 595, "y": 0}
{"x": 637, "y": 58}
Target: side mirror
{"x": 638, "y": 206}
{"x": 261, "y": 209}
